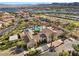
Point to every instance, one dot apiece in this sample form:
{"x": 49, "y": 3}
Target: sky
{"x": 25, "y": 2}
{"x": 35, "y": 1}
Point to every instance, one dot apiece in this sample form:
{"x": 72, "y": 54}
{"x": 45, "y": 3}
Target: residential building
{"x": 14, "y": 37}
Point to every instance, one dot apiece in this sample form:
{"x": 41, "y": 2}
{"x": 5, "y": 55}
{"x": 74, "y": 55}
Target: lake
{"x": 9, "y": 9}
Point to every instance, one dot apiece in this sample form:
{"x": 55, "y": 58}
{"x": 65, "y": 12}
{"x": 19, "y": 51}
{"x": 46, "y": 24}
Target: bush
{"x": 32, "y": 52}
{"x": 3, "y": 47}
{"x": 63, "y": 53}
{"x": 24, "y": 46}
{"x": 76, "y": 47}
{"x": 7, "y": 44}
{"x": 75, "y": 53}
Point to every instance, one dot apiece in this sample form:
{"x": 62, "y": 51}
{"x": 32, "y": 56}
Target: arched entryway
{"x": 43, "y": 38}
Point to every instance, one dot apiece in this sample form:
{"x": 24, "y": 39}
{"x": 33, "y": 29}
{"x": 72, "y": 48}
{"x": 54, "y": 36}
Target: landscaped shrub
{"x": 24, "y": 46}
{"x": 64, "y": 53}
{"x": 76, "y": 47}
{"x": 3, "y": 47}
{"x": 75, "y": 53}
{"x": 33, "y": 52}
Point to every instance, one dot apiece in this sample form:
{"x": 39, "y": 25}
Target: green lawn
{"x": 73, "y": 22}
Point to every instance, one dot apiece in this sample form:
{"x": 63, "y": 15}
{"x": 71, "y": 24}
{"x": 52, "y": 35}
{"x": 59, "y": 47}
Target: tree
{"x": 75, "y": 53}
{"x": 76, "y": 47}
{"x": 52, "y": 37}
{"x": 69, "y": 52}
{"x": 52, "y": 48}
{"x": 63, "y": 37}
{"x": 52, "y": 40}
{"x": 22, "y": 44}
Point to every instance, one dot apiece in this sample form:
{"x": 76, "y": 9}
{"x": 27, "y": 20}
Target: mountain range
{"x": 39, "y": 4}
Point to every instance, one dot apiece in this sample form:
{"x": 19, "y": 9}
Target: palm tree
{"x": 52, "y": 38}
{"x": 52, "y": 48}
{"x": 63, "y": 37}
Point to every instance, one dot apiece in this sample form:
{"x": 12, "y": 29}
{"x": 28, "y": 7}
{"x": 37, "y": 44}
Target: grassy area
{"x": 5, "y": 37}
{"x": 73, "y": 22}
{"x": 7, "y": 44}
{"x": 66, "y": 20}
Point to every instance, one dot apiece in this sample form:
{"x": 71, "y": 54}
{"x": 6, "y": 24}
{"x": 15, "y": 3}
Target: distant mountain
{"x": 66, "y": 4}
{"x": 13, "y": 5}
{"x": 37, "y": 5}
{"x": 60, "y": 4}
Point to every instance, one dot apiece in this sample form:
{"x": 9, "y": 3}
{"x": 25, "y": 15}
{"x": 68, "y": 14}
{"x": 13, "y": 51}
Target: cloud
{"x": 39, "y": 0}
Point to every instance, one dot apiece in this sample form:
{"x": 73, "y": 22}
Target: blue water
{"x": 8, "y": 9}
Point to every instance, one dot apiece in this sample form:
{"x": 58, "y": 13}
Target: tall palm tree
{"x": 52, "y": 38}
{"x": 52, "y": 48}
{"x": 63, "y": 37}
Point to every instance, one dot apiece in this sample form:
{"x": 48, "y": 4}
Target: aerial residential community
{"x": 39, "y": 29}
